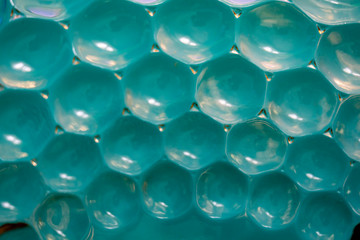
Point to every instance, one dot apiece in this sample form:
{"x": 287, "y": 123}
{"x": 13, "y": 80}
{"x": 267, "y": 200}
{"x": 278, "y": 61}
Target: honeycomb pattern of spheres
{"x": 179, "y": 119}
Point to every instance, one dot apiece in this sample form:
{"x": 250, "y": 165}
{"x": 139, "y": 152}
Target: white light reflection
{"x": 104, "y": 46}
{"x": 22, "y": 67}
{"x": 295, "y": 117}
{"x": 13, "y": 139}
{"x": 187, "y": 41}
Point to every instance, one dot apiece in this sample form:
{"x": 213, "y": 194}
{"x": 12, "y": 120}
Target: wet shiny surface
{"x": 4, "y": 12}
{"x": 338, "y": 57}
{"x": 243, "y": 3}
{"x": 352, "y": 189}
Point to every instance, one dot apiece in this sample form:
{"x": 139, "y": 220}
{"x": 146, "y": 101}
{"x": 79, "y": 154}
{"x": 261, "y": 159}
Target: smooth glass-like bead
{"x": 231, "y": 89}
{"x": 194, "y": 31}
{"x": 347, "y": 127}
{"x": 338, "y": 55}
{"x": 301, "y": 101}
{"x": 194, "y": 140}
{"x": 26, "y": 125}
{"x": 86, "y": 99}
{"x": 274, "y": 200}
{"x": 112, "y": 200}
{"x": 256, "y": 146}
{"x": 51, "y": 9}
{"x": 317, "y": 163}
{"x": 21, "y": 190}
{"x": 276, "y": 36}
{"x": 4, "y": 12}
{"x": 27, "y": 50}
{"x": 131, "y": 145}
{"x": 163, "y": 89}
{"x": 62, "y": 217}
{"x": 331, "y": 12}
{"x": 352, "y": 189}
{"x": 325, "y": 216}
{"x": 111, "y": 34}
{"x": 221, "y": 192}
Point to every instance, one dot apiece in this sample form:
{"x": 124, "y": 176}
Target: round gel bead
{"x": 352, "y": 189}
{"x": 26, "y": 125}
{"x": 347, "y": 127}
{"x": 221, "y": 191}
{"x": 51, "y": 9}
{"x": 69, "y": 162}
{"x": 4, "y": 12}
{"x": 194, "y": 140}
{"x": 324, "y": 216}
{"x": 112, "y": 201}
{"x": 33, "y": 53}
{"x": 274, "y": 201}
{"x": 194, "y": 31}
{"x": 276, "y": 36}
{"x": 317, "y": 163}
{"x": 301, "y": 101}
{"x": 111, "y": 34}
{"x": 21, "y": 190}
{"x": 131, "y": 145}
{"x": 231, "y": 89}
{"x": 85, "y": 99}
{"x": 338, "y": 57}
{"x": 62, "y": 217}
{"x": 167, "y": 191}
{"x": 331, "y": 12}
{"x": 163, "y": 89}
{"x": 256, "y": 146}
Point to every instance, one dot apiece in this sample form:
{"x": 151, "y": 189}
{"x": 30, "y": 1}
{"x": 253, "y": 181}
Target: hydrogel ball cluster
{"x": 179, "y": 119}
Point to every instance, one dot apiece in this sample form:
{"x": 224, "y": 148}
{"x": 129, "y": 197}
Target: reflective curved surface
{"x": 69, "y": 162}
{"x": 301, "y": 101}
{"x": 194, "y": 140}
{"x": 148, "y": 2}
{"x": 256, "y": 146}
{"x": 317, "y": 163}
{"x": 4, "y": 12}
{"x": 62, "y": 217}
{"x": 194, "y": 31}
{"x": 167, "y": 191}
{"x": 338, "y": 57}
{"x": 163, "y": 89}
{"x": 112, "y": 201}
{"x": 85, "y": 99}
{"x": 347, "y": 127}
{"x": 21, "y": 190}
{"x": 221, "y": 191}
{"x": 131, "y": 145}
{"x": 28, "y": 47}
{"x": 331, "y": 12}
{"x": 231, "y": 89}
{"x": 325, "y": 216}
{"x": 27, "y": 233}
{"x": 274, "y": 200}
{"x": 101, "y": 38}
{"x": 284, "y": 37}
{"x": 26, "y": 125}
{"x": 352, "y": 189}
{"x": 243, "y": 3}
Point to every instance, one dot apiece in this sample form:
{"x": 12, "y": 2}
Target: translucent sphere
{"x": 256, "y": 146}
{"x": 112, "y": 201}
{"x": 274, "y": 200}
{"x": 338, "y": 57}
{"x": 325, "y": 216}
{"x": 62, "y": 217}
{"x": 101, "y": 37}
{"x": 194, "y": 140}
{"x": 167, "y": 191}
{"x": 163, "y": 89}
{"x": 28, "y": 47}
{"x": 331, "y": 12}
{"x": 21, "y": 190}
{"x": 85, "y": 99}
{"x": 51, "y": 9}
{"x": 131, "y": 145}
{"x": 352, "y": 189}
{"x": 347, "y": 127}
{"x": 317, "y": 163}
{"x": 194, "y": 31}
{"x": 283, "y": 38}
{"x": 221, "y": 191}
{"x": 301, "y": 101}
{"x": 231, "y": 89}
{"x": 67, "y": 161}
{"x": 26, "y": 125}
